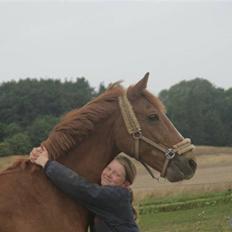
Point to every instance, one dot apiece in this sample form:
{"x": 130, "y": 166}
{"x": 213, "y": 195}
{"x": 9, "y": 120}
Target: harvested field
{"x": 214, "y": 173}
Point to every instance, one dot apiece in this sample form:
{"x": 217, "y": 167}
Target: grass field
{"x": 214, "y": 215}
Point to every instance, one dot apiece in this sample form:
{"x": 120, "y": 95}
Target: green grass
{"x": 149, "y": 200}
{"x": 211, "y": 218}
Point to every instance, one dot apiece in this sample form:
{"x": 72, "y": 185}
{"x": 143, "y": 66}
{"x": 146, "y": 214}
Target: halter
{"x": 135, "y": 130}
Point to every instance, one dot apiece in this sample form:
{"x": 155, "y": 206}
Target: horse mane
{"x": 76, "y": 125}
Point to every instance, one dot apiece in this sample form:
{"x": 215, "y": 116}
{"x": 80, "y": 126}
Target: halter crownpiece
{"x": 135, "y": 130}
{"x": 128, "y": 115}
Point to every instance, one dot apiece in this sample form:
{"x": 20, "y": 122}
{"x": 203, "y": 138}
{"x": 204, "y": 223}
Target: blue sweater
{"x": 110, "y": 204}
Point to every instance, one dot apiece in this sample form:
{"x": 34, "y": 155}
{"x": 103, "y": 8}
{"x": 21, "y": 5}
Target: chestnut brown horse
{"x": 86, "y": 140}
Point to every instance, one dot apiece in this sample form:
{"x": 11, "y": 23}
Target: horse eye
{"x": 153, "y": 117}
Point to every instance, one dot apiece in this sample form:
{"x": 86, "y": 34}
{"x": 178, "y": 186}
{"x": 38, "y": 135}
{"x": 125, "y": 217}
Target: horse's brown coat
{"x": 85, "y": 140}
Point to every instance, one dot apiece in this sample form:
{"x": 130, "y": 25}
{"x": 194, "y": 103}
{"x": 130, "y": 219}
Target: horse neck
{"x": 91, "y": 156}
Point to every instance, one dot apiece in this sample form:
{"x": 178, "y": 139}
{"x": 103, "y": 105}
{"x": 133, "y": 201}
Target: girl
{"x": 110, "y": 201}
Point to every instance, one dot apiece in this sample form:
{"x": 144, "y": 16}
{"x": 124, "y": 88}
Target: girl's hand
{"x": 39, "y": 155}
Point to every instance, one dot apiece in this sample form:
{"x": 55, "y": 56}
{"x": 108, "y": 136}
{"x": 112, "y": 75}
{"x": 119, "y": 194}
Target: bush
{"x": 17, "y": 144}
{"x": 40, "y": 128}
{"x": 5, "y": 149}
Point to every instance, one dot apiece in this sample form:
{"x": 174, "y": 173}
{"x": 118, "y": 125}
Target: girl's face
{"x": 114, "y": 174}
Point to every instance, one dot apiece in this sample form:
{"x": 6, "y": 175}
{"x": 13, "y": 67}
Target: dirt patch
{"x": 214, "y": 173}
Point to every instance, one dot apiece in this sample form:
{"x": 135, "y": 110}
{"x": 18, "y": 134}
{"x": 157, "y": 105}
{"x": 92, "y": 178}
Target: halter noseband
{"x": 135, "y": 130}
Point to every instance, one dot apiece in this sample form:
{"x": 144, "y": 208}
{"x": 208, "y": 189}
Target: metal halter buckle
{"x": 137, "y": 134}
{"x": 170, "y": 154}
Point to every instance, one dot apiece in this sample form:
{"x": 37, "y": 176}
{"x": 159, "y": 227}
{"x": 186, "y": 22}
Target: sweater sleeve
{"x": 93, "y": 196}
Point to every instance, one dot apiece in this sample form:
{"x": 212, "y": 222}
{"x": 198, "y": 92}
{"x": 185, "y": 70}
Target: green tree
{"x": 40, "y": 128}
{"x": 194, "y": 107}
{"x": 18, "y": 144}
{"x": 23, "y": 101}
{"x": 32, "y": 107}
{"x": 2, "y": 131}
{"x": 101, "y": 89}
{"x": 11, "y": 129}
{"x": 226, "y": 116}
{"x": 5, "y": 149}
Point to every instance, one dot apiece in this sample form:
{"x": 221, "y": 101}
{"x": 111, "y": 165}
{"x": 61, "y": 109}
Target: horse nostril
{"x": 193, "y": 164}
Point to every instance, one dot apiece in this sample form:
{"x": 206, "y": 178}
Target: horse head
{"x": 144, "y": 132}
{"x": 133, "y": 122}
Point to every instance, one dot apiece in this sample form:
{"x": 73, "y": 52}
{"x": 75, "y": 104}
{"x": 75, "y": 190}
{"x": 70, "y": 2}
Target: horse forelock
{"x": 154, "y": 101}
{"x": 79, "y": 123}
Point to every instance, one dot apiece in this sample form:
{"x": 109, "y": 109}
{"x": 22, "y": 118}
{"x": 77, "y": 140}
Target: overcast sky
{"x": 106, "y": 41}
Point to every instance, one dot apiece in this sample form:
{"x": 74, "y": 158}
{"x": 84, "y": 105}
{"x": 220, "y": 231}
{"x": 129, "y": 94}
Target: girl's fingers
{"x": 36, "y": 150}
{"x": 39, "y": 149}
{"x": 33, "y": 157}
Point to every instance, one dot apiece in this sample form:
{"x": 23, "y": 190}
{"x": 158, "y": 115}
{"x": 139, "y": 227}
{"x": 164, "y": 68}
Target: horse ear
{"x": 139, "y": 86}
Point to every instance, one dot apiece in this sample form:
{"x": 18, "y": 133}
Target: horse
{"x": 129, "y": 120}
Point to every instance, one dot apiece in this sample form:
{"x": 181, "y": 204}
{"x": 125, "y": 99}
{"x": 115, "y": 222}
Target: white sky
{"x": 106, "y": 41}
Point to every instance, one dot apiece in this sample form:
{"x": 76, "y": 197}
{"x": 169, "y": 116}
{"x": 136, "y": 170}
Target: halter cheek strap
{"x": 135, "y": 131}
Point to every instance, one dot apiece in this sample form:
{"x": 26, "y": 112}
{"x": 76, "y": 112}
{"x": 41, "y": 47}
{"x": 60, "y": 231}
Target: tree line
{"x": 200, "y": 111}
{"x": 30, "y": 108}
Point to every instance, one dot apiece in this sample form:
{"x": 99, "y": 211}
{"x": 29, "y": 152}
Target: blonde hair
{"x": 129, "y": 167}
{"x": 131, "y": 173}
